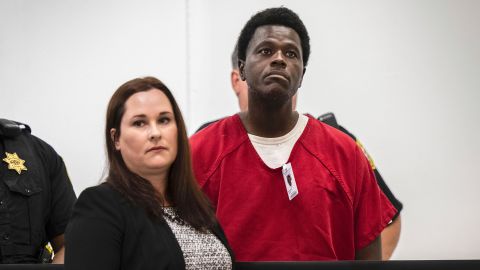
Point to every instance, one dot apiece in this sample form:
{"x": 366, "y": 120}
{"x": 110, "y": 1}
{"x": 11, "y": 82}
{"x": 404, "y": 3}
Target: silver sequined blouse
{"x": 200, "y": 250}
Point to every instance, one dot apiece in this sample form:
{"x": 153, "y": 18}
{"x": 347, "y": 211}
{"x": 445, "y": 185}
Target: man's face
{"x": 273, "y": 67}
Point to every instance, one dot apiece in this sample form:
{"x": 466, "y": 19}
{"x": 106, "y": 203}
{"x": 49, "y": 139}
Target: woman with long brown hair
{"x": 150, "y": 212}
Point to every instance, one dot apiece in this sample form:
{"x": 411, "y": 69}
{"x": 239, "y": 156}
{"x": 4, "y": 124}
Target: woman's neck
{"x": 159, "y": 182}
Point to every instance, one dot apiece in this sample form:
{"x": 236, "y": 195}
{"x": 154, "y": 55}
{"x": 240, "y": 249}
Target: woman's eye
{"x": 164, "y": 120}
{"x": 138, "y": 123}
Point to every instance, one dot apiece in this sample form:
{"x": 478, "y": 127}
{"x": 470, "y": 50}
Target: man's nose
{"x": 278, "y": 59}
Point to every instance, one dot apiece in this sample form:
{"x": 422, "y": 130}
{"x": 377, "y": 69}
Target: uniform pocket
{"x": 26, "y": 184}
{"x": 24, "y": 219}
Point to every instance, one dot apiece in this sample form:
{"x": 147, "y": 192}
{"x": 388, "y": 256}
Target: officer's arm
{"x": 371, "y": 252}
{"x": 62, "y": 200}
{"x": 59, "y": 249}
{"x": 390, "y": 237}
{"x": 391, "y": 233}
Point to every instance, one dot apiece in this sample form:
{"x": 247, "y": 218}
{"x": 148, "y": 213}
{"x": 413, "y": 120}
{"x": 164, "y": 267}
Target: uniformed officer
{"x": 36, "y": 196}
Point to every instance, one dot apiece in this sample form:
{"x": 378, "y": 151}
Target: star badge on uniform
{"x": 15, "y": 162}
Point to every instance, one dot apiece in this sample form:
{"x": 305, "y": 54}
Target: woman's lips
{"x": 156, "y": 148}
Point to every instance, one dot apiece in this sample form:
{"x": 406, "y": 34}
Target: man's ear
{"x": 114, "y": 138}
{"x": 235, "y": 80}
{"x": 303, "y": 74}
{"x": 241, "y": 68}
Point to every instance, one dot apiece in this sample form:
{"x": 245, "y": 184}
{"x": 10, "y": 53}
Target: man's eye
{"x": 265, "y": 51}
{"x": 291, "y": 54}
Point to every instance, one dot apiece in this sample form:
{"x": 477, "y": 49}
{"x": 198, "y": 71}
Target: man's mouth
{"x": 278, "y": 75}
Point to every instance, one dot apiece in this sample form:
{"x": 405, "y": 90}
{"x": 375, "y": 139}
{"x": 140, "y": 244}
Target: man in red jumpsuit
{"x": 332, "y": 209}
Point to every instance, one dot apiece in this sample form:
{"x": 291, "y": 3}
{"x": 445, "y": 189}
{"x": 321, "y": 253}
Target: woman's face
{"x": 148, "y": 137}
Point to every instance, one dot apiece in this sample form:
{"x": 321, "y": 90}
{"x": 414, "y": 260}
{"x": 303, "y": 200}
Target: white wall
{"x": 404, "y": 76}
{"x": 61, "y": 60}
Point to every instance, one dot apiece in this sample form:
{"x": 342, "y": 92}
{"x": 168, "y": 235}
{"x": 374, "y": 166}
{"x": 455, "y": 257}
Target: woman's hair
{"x": 182, "y": 190}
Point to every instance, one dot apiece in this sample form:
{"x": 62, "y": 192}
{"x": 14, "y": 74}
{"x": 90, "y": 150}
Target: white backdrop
{"x": 404, "y": 76}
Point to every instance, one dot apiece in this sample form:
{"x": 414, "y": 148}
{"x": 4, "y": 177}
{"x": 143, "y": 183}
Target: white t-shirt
{"x": 275, "y": 151}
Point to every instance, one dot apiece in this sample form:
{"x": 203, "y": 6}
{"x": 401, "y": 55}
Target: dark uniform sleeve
{"x": 381, "y": 183}
{"x": 383, "y": 186}
{"x": 207, "y": 124}
{"x": 93, "y": 239}
{"x": 61, "y": 190}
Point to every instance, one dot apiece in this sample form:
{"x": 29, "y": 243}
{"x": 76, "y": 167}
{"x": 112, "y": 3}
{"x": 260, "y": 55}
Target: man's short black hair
{"x": 274, "y": 16}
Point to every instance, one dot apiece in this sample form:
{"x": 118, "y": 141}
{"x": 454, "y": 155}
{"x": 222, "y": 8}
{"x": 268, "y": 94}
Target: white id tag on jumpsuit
{"x": 289, "y": 179}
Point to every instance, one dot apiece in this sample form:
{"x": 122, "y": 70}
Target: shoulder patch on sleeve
{"x": 370, "y": 159}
